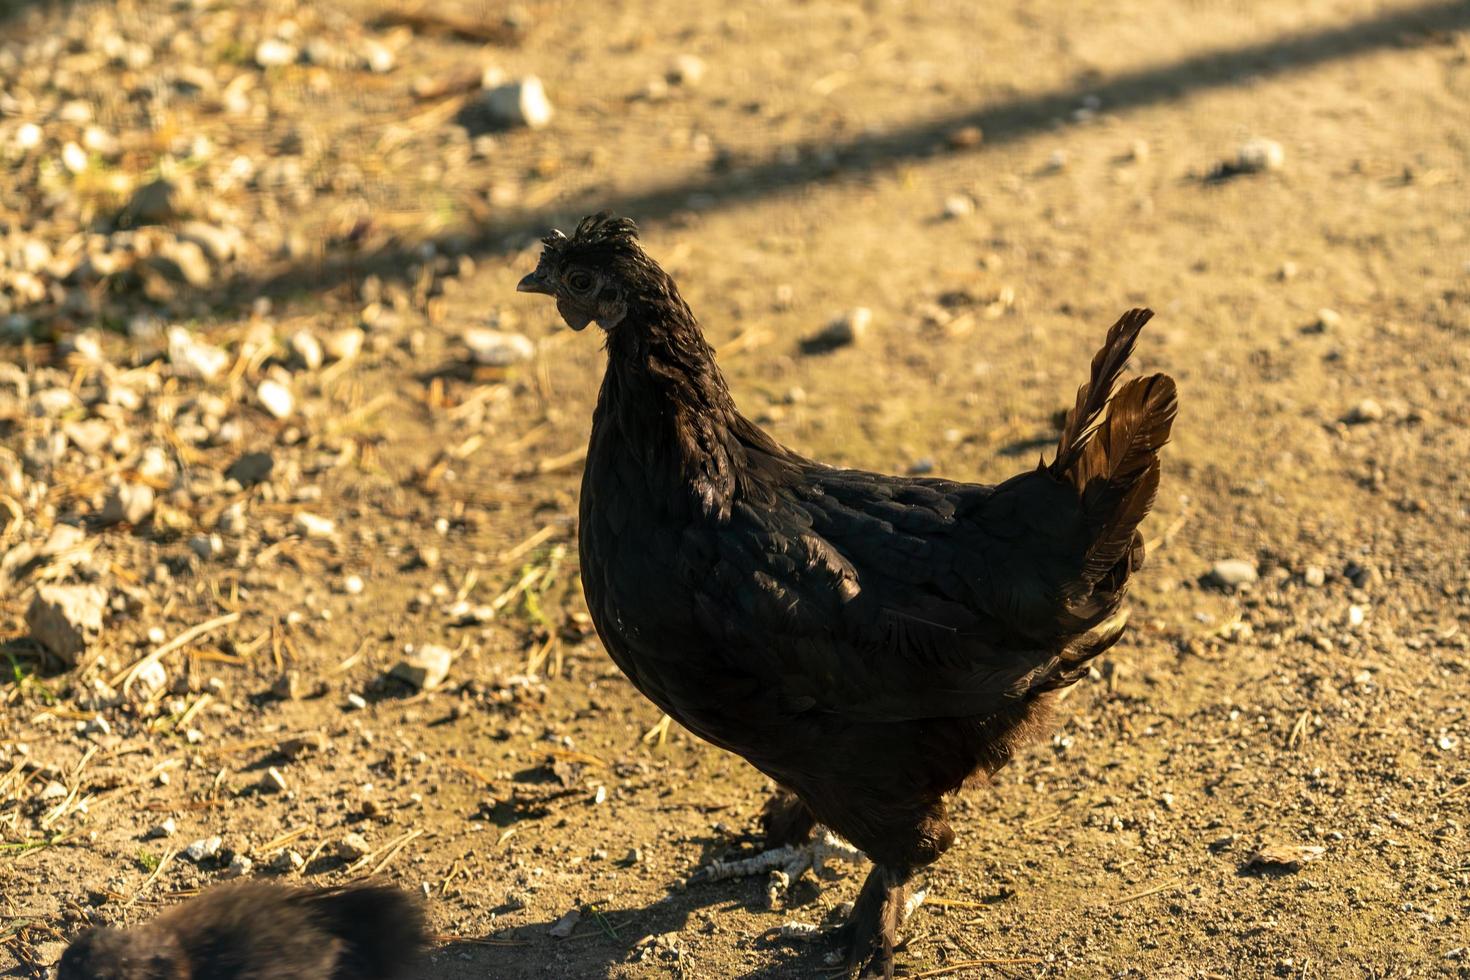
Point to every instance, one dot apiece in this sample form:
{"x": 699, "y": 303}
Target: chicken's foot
{"x": 784, "y": 865}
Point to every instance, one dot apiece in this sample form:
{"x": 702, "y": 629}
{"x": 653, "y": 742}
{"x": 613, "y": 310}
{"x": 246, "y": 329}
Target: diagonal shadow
{"x": 871, "y": 152}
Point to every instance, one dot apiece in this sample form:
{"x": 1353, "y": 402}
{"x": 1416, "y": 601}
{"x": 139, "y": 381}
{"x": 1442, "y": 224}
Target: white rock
{"x": 73, "y": 157}
{"x": 53, "y": 402}
{"x": 344, "y": 344}
{"x": 276, "y": 398}
{"x": 1233, "y": 573}
{"x": 353, "y": 846}
{"x": 519, "y": 103}
{"x": 378, "y": 57}
{"x": 564, "y": 926}
{"x": 101, "y": 142}
{"x": 274, "y": 781}
{"x": 498, "y": 348}
{"x": 273, "y": 53}
{"x": 1356, "y": 616}
{"x": 307, "y": 349}
{"x": 849, "y": 328}
{"x": 686, "y": 69}
{"x": 204, "y": 847}
{"x": 314, "y": 526}
{"x": 168, "y": 828}
{"x": 129, "y": 503}
{"x": 66, "y": 618}
{"x": 353, "y": 585}
{"x": 28, "y": 136}
{"x": 240, "y": 866}
{"x": 91, "y": 436}
{"x": 150, "y": 678}
{"x": 426, "y": 667}
{"x": 958, "y": 206}
{"x": 206, "y": 546}
{"x": 1366, "y": 410}
{"x": 1257, "y": 155}
{"x": 194, "y": 358}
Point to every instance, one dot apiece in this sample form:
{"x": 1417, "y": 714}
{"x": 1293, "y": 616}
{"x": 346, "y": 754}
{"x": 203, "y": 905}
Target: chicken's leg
{"x": 871, "y": 930}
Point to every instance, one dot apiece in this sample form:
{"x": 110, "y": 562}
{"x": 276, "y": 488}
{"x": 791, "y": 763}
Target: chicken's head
{"x": 594, "y": 274}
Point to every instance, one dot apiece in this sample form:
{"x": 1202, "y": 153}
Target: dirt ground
{"x": 828, "y": 158}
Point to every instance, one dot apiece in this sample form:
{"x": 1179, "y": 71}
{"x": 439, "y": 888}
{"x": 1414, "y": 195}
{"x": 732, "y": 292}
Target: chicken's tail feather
{"x": 381, "y": 928}
{"x": 1092, "y": 396}
{"x": 1113, "y": 459}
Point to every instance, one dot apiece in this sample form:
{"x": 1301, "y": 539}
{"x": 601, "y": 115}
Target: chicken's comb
{"x": 604, "y": 228}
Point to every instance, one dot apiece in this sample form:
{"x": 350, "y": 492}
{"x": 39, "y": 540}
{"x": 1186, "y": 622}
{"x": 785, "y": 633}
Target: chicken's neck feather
{"x": 666, "y": 401}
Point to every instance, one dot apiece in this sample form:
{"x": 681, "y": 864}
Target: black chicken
{"x": 255, "y": 930}
{"x": 870, "y": 642}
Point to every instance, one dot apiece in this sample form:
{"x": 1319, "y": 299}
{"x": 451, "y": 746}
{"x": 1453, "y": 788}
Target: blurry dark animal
{"x": 870, "y": 642}
{"x": 256, "y": 930}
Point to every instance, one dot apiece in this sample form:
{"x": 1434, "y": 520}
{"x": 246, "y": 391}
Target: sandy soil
{"x": 809, "y": 172}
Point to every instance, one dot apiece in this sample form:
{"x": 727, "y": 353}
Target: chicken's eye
{"x": 579, "y": 281}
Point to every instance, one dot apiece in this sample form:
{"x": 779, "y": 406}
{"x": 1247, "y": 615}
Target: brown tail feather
{"x": 1092, "y": 396}
{"x": 1113, "y": 461}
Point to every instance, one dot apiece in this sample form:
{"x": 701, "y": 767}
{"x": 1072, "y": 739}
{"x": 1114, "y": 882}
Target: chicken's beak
{"x": 535, "y": 283}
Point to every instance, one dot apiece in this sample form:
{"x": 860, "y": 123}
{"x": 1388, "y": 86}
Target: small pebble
{"x": 519, "y": 103}
{"x": 128, "y": 503}
{"x": 687, "y": 70}
{"x": 344, "y": 344}
{"x": 1364, "y": 412}
{"x": 958, "y": 206}
{"x": 1259, "y": 155}
{"x": 425, "y": 667}
{"x": 308, "y": 349}
{"x": 353, "y": 846}
{"x": 204, "y": 847}
{"x": 240, "y": 866}
{"x": 498, "y": 348}
{"x": 274, "y": 53}
{"x": 314, "y": 526}
{"x": 564, "y": 926}
{"x": 276, "y": 398}
{"x": 848, "y": 329}
{"x": 192, "y": 358}
{"x": 1233, "y": 573}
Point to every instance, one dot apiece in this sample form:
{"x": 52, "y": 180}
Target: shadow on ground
{"x": 1002, "y": 123}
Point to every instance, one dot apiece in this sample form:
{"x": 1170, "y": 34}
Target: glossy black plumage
{"x": 255, "y": 930}
{"x": 871, "y": 642}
